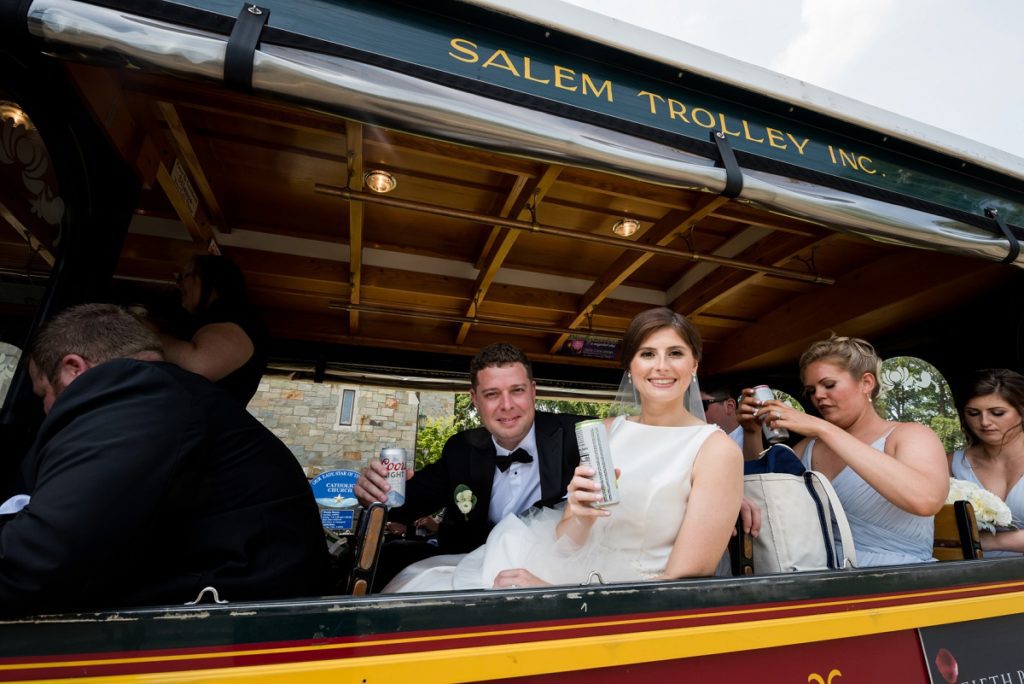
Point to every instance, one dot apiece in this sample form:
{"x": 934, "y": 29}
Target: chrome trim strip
{"x": 381, "y": 97}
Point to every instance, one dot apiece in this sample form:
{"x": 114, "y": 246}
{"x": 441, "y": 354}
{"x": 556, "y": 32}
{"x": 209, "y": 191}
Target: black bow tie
{"x": 517, "y": 456}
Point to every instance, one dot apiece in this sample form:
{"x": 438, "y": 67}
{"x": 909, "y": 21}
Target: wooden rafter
{"x": 354, "y": 142}
{"x": 700, "y": 296}
{"x": 500, "y": 240}
{"x": 863, "y": 302}
{"x": 661, "y": 233}
{"x": 186, "y": 152}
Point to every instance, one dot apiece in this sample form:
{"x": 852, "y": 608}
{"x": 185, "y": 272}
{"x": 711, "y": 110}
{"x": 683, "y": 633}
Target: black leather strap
{"x": 1011, "y": 256}
{"x": 242, "y": 45}
{"x": 727, "y": 159}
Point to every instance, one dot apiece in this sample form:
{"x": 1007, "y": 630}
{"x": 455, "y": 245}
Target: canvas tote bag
{"x": 797, "y": 514}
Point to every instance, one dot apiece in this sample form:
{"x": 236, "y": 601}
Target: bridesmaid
{"x": 994, "y": 458}
{"x": 890, "y": 477}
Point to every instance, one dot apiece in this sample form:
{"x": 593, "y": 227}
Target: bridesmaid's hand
{"x": 517, "y": 578}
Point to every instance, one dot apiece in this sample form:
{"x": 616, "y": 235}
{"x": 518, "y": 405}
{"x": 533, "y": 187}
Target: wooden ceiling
{"x": 454, "y": 262}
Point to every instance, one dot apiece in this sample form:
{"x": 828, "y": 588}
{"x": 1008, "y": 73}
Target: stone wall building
{"x": 331, "y": 425}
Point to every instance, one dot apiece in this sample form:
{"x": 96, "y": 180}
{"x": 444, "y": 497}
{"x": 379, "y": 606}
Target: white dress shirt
{"x": 518, "y": 488}
{"x": 737, "y": 435}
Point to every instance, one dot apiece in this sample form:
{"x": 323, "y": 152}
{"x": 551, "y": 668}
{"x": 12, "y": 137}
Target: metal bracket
{"x": 1014, "y": 252}
{"x": 242, "y": 46}
{"x": 727, "y": 159}
{"x": 590, "y": 579}
{"x": 213, "y": 596}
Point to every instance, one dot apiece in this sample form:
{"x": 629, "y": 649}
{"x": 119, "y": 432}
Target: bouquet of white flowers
{"x": 990, "y": 511}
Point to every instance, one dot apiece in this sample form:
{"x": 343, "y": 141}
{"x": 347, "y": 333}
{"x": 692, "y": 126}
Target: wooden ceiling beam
{"x": 661, "y": 233}
{"x": 775, "y": 250}
{"x": 501, "y": 239}
{"x": 864, "y": 302}
{"x": 186, "y": 152}
{"x": 354, "y": 142}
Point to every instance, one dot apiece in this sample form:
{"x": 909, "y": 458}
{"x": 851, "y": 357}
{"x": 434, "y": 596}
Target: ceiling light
{"x": 626, "y": 227}
{"x": 9, "y": 111}
{"x": 380, "y": 181}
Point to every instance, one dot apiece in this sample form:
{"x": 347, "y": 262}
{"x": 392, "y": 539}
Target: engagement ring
{"x": 778, "y": 415}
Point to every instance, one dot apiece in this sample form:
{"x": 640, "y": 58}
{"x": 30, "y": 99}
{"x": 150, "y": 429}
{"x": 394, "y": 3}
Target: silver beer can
{"x": 773, "y": 435}
{"x": 393, "y": 460}
{"x": 592, "y": 439}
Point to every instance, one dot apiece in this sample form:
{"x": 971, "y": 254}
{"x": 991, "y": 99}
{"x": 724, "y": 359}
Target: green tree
{"x": 915, "y": 392}
{"x": 430, "y": 439}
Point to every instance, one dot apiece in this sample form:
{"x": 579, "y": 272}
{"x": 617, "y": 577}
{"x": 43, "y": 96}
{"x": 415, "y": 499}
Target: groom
{"x": 518, "y": 459}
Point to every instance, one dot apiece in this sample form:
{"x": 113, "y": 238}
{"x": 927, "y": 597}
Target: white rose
{"x": 465, "y": 506}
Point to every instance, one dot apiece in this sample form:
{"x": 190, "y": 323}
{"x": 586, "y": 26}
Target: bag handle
{"x": 845, "y": 533}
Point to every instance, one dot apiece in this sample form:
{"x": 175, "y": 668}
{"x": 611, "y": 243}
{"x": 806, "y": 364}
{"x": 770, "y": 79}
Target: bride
{"x": 680, "y": 482}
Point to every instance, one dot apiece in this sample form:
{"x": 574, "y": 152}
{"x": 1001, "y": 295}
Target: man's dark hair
{"x": 718, "y": 391}
{"x": 96, "y": 332}
{"x": 498, "y": 354}
{"x": 220, "y": 275}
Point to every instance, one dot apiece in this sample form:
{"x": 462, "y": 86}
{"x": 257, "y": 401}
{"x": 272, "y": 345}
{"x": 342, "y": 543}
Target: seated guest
{"x": 994, "y": 458}
{"x": 543, "y": 456}
{"x": 720, "y": 408}
{"x": 147, "y": 483}
{"x": 890, "y": 477}
{"x": 227, "y": 339}
{"x": 680, "y": 484}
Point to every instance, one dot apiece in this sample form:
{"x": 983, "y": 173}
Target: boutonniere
{"x": 465, "y": 499}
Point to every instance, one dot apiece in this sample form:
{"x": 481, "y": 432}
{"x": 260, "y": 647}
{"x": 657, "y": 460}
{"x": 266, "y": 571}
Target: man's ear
{"x": 71, "y": 366}
{"x": 472, "y": 398}
{"x": 730, "y": 405}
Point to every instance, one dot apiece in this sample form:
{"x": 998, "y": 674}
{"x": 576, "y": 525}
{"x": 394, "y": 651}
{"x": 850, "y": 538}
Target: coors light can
{"x": 592, "y": 438}
{"x": 773, "y": 435}
{"x": 393, "y": 459}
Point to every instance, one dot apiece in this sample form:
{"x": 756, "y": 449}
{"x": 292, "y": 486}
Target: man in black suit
{"x": 147, "y": 483}
{"x": 518, "y": 459}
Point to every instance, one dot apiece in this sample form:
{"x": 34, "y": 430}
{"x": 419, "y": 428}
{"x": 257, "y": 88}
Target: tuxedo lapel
{"x": 481, "y": 469}
{"x": 549, "y": 452}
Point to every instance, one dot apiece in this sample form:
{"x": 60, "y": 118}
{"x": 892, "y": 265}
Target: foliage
{"x": 432, "y": 435}
{"x": 430, "y": 439}
{"x": 915, "y": 392}
{"x": 596, "y": 409}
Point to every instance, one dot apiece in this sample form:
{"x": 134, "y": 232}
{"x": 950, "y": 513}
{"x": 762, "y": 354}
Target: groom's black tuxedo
{"x": 468, "y": 459}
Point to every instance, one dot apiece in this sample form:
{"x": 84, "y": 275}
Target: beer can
{"x": 592, "y": 438}
{"x": 393, "y": 459}
{"x": 776, "y": 434}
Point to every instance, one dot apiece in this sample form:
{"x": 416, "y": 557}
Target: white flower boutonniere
{"x": 465, "y": 499}
{"x": 990, "y": 511}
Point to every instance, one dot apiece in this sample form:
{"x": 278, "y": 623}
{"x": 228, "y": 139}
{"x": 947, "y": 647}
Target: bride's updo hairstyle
{"x": 646, "y": 323}
{"x": 852, "y": 354}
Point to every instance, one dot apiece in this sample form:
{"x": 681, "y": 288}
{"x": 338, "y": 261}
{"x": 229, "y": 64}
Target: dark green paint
{"x": 319, "y": 619}
{"x": 423, "y": 38}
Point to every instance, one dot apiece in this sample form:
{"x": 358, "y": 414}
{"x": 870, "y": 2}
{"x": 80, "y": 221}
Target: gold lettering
{"x": 864, "y": 161}
{"x": 492, "y": 61}
{"x": 799, "y": 146}
{"x": 528, "y": 76}
{"x": 466, "y": 48}
{"x": 832, "y": 154}
{"x": 605, "y": 85}
{"x": 710, "y": 117}
{"x": 725, "y": 127}
{"x": 562, "y": 73}
{"x": 775, "y": 137}
{"x": 847, "y": 158}
{"x": 676, "y": 109}
{"x": 746, "y": 133}
{"x": 650, "y": 97}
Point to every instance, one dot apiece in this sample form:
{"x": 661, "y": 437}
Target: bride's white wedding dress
{"x": 631, "y": 544}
